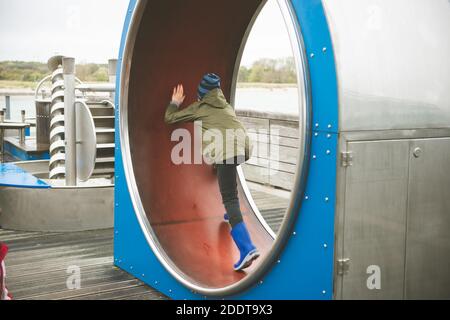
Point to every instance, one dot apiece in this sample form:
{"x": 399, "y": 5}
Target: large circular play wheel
{"x": 179, "y": 207}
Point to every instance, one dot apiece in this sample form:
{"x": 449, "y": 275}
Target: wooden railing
{"x": 276, "y": 139}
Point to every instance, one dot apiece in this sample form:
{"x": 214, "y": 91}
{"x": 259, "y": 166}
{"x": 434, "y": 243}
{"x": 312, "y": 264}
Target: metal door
{"x": 374, "y": 229}
{"x": 428, "y": 235}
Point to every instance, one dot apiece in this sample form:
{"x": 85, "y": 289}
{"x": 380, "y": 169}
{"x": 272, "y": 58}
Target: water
{"x": 17, "y": 105}
{"x": 276, "y": 100}
{"x": 279, "y": 100}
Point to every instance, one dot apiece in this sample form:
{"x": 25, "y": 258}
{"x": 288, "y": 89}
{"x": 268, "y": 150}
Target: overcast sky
{"x": 90, "y": 30}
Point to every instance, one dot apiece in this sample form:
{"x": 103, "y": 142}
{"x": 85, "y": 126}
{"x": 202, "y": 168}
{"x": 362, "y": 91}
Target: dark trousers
{"x": 227, "y": 175}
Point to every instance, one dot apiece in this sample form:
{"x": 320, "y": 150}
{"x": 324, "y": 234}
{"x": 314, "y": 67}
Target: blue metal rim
{"x": 306, "y": 266}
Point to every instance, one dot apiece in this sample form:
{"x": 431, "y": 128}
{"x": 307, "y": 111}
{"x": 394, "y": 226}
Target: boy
{"x": 218, "y": 116}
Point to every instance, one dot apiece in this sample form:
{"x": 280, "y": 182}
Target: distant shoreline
{"x": 16, "y": 88}
{"x": 20, "y": 88}
{"x": 253, "y": 85}
{"x": 17, "y": 92}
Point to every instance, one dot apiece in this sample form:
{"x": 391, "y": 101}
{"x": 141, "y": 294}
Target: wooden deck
{"x": 38, "y": 262}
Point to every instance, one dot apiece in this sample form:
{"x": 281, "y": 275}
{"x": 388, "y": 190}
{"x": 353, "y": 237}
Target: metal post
{"x": 27, "y": 131}
{"x": 8, "y": 107}
{"x": 70, "y": 121}
{"x": 22, "y": 136}
{"x": 2, "y": 133}
{"x": 112, "y": 70}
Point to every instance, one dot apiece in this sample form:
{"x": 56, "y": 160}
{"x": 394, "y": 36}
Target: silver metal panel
{"x": 375, "y": 218}
{"x": 57, "y": 209}
{"x": 428, "y": 237}
{"x": 43, "y": 122}
{"x": 86, "y": 149}
{"x": 90, "y": 206}
{"x": 392, "y": 63}
{"x": 70, "y": 121}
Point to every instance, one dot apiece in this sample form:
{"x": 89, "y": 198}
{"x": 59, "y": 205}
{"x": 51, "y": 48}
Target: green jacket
{"x": 217, "y": 116}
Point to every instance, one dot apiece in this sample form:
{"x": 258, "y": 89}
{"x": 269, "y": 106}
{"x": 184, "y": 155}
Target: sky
{"x": 90, "y": 31}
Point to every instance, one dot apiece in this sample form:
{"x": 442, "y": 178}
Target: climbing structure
{"x": 373, "y": 156}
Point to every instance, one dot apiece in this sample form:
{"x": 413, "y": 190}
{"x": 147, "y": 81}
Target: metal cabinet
{"x": 428, "y": 229}
{"x": 396, "y": 217}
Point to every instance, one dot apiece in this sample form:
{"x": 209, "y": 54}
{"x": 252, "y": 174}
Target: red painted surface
{"x": 178, "y": 42}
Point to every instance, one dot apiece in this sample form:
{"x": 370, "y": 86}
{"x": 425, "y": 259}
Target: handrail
{"x": 100, "y": 87}
{"x": 108, "y": 102}
{"x": 48, "y": 78}
{"x": 36, "y": 92}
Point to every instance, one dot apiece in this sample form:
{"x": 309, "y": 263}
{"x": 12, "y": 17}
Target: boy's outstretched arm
{"x": 173, "y": 114}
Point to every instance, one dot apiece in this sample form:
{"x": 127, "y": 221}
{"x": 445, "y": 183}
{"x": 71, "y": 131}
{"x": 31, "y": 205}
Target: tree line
{"x": 269, "y": 71}
{"x": 262, "y": 71}
{"x": 36, "y": 71}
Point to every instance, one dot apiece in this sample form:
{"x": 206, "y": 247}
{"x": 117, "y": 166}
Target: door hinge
{"x": 343, "y": 266}
{"x": 346, "y": 159}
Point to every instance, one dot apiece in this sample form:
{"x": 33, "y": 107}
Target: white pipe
{"x": 94, "y": 87}
{"x": 70, "y": 121}
{"x": 112, "y": 69}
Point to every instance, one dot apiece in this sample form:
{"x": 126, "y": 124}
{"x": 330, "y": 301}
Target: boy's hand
{"x": 178, "y": 95}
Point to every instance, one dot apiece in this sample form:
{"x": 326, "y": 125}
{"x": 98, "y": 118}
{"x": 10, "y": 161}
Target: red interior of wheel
{"x": 178, "y": 41}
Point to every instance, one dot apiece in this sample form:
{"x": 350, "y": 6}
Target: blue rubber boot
{"x": 248, "y": 251}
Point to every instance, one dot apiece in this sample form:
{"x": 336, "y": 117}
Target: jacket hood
{"x": 216, "y": 99}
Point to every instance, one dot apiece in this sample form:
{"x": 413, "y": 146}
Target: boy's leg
{"x": 227, "y": 176}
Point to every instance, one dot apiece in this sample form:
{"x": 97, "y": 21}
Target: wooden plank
{"x": 285, "y": 128}
{"x": 38, "y": 262}
{"x": 58, "y": 286}
{"x": 273, "y": 115}
{"x": 260, "y": 162}
{"x": 282, "y": 180}
{"x": 64, "y": 257}
{"x": 255, "y": 123}
{"x": 284, "y": 154}
{"x": 59, "y": 252}
{"x": 148, "y": 296}
{"x": 276, "y": 166}
{"x": 116, "y": 294}
{"x": 256, "y": 173}
{"x": 53, "y": 265}
{"x": 23, "y": 280}
{"x": 284, "y": 141}
{"x": 261, "y": 151}
{"x": 50, "y": 240}
{"x": 87, "y": 290}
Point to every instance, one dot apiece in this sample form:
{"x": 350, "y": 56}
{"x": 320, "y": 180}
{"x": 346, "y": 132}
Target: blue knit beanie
{"x": 210, "y": 82}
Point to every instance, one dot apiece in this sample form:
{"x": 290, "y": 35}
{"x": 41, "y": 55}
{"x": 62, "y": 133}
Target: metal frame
{"x": 304, "y": 269}
{"x": 366, "y": 136}
{"x": 85, "y": 136}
